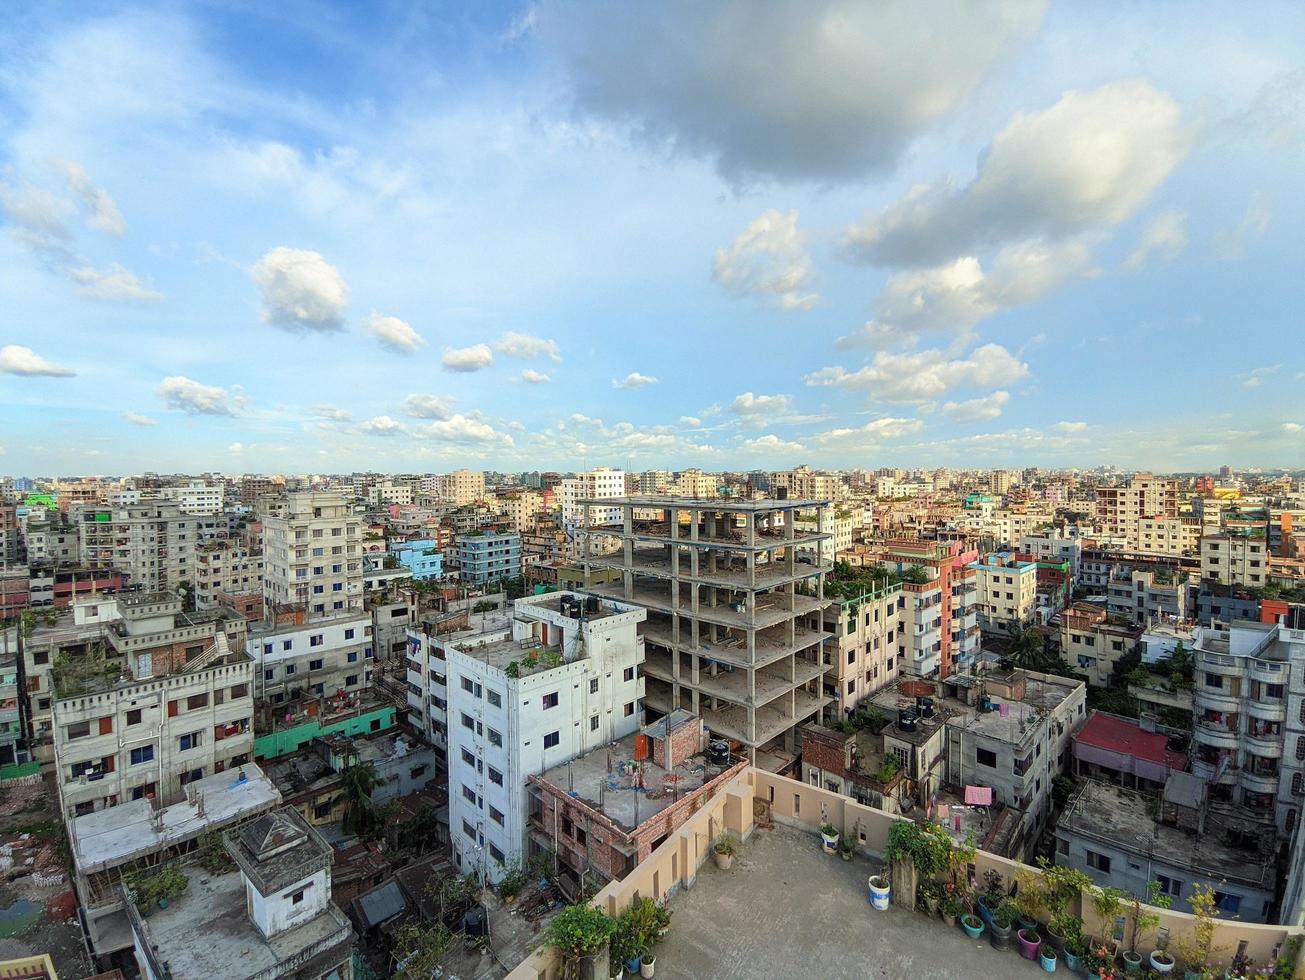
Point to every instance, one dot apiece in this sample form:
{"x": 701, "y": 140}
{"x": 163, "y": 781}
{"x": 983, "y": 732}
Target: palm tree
{"x": 358, "y": 780}
{"x": 1027, "y": 649}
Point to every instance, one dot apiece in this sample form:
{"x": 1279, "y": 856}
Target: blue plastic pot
{"x": 973, "y": 927}
{"x": 633, "y": 963}
{"x": 1048, "y": 962}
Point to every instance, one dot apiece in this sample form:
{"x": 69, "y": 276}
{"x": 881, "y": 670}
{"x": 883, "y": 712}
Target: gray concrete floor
{"x": 786, "y": 910}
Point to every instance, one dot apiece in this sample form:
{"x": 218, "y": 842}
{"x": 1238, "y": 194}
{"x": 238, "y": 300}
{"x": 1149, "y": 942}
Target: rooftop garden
{"x": 537, "y": 660}
{"x": 851, "y": 582}
{"x": 87, "y": 673}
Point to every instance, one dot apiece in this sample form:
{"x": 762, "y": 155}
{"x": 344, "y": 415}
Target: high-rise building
{"x": 311, "y": 555}
{"x": 154, "y": 543}
{"x": 1121, "y": 509}
{"x": 590, "y": 485}
{"x": 487, "y": 556}
{"x": 462, "y": 487}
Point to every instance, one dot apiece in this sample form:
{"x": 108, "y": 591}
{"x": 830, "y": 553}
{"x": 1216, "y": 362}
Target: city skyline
{"x": 314, "y": 240}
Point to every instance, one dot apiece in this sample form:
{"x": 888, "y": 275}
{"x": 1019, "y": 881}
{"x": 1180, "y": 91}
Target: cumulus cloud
{"x": 466, "y": 359}
{"x": 690, "y": 421}
{"x": 112, "y": 284}
{"x": 1069, "y": 428}
{"x": 634, "y": 380}
{"x": 394, "y": 334}
{"x": 194, "y": 398}
{"x": 977, "y": 409}
{"x": 1292, "y": 427}
{"x": 135, "y": 418}
{"x": 15, "y": 359}
{"x": 428, "y": 406}
{"x": 300, "y": 290}
{"x": 822, "y": 90}
{"x": 533, "y": 377}
{"x": 923, "y": 375}
{"x": 1255, "y": 377}
{"x": 772, "y": 443}
{"x": 957, "y": 295}
{"x": 1231, "y": 243}
{"x": 750, "y": 404}
{"x": 331, "y": 413}
{"x": 525, "y": 346}
{"x": 102, "y": 213}
{"x": 876, "y": 430}
{"x": 463, "y": 428}
{"x": 768, "y": 258}
{"x": 1086, "y": 163}
{"x": 1165, "y": 238}
{"x": 236, "y": 448}
{"x": 381, "y": 425}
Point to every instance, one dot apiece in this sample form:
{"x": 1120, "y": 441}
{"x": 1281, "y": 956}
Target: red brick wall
{"x": 824, "y": 753}
{"x": 686, "y": 741}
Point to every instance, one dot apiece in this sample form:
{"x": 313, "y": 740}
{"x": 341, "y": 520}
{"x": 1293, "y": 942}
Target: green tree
{"x": 417, "y": 950}
{"x": 357, "y": 781}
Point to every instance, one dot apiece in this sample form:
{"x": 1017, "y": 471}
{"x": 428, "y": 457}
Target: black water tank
{"x": 906, "y": 720}
{"x": 718, "y": 752}
{"x": 475, "y": 922}
{"x": 925, "y": 707}
{"x": 591, "y": 603}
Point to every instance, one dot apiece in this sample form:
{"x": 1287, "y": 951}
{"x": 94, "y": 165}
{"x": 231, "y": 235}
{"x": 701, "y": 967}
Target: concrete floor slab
{"x": 785, "y": 910}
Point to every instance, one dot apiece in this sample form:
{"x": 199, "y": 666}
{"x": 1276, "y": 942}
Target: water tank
{"x": 718, "y": 752}
{"x": 924, "y": 706}
{"x": 906, "y": 720}
{"x": 475, "y": 922}
{"x": 591, "y": 603}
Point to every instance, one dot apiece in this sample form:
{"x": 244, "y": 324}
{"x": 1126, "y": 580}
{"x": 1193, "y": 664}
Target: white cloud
{"x": 1292, "y": 427}
{"x": 331, "y": 413}
{"x": 24, "y": 361}
{"x": 135, "y": 418}
{"x": 1068, "y": 428}
{"x": 690, "y": 421}
{"x": 236, "y": 448}
{"x": 874, "y": 431}
{"x": 102, "y": 212}
{"x": 634, "y": 380}
{"x": 531, "y": 376}
{"x": 300, "y": 290}
{"x": 394, "y": 334}
{"x": 822, "y": 90}
{"x": 465, "y": 359}
{"x": 463, "y": 428}
{"x": 1165, "y": 237}
{"x": 113, "y": 284}
{"x": 918, "y": 377}
{"x": 1231, "y": 244}
{"x": 768, "y": 258}
{"x": 1086, "y": 163}
{"x": 36, "y": 211}
{"x": 428, "y": 406}
{"x": 381, "y": 425}
{"x": 1255, "y": 377}
{"x": 748, "y": 404}
{"x": 772, "y": 443}
{"x": 977, "y": 409}
{"x": 186, "y": 395}
{"x": 956, "y": 296}
{"x": 525, "y": 346}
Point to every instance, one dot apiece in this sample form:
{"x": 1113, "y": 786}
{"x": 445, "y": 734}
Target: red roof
{"x": 1125, "y": 736}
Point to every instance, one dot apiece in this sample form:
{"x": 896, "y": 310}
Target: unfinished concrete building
{"x": 733, "y": 631}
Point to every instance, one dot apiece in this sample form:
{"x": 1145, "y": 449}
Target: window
{"x": 496, "y": 854}
{"x": 322, "y": 810}
{"x": 493, "y": 698}
{"x": 1098, "y": 861}
{"x": 348, "y": 634}
{"x": 629, "y": 708}
{"x": 315, "y": 664}
{"x": 469, "y": 830}
{"x": 468, "y": 794}
{"x": 1228, "y": 904}
{"x": 985, "y": 757}
{"x": 351, "y": 680}
{"x": 315, "y": 640}
{"x": 287, "y": 644}
{"x": 496, "y": 816}
{"x": 550, "y": 700}
{"x": 552, "y": 739}
{"x": 318, "y": 589}
{"x": 467, "y": 757}
{"x": 1213, "y": 680}
{"x": 298, "y": 897}
{"x": 468, "y": 721}
{"x": 593, "y": 689}
{"x": 79, "y": 730}
{"x": 496, "y": 739}
{"x": 466, "y": 684}
{"x": 193, "y": 740}
{"x": 1170, "y": 886}
{"x": 196, "y": 701}
{"x": 593, "y": 723}
{"x": 353, "y": 657}
{"x": 133, "y": 717}
{"x": 289, "y": 670}
{"x": 495, "y": 776}
{"x": 269, "y": 675}
{"x": 629, "y": 674}
{"x": 144, "y": 753}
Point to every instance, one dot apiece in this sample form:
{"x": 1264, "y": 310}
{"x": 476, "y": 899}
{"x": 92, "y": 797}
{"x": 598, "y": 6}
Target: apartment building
{"x": 462, "y": 487}
{"x": 227, "y": 567}
{"x": 728, "y": 602}
{"x": 594, "y": 484}
{"x": 52, "y": 541}
{"x": 1236, "y": 557}
{"x": 487, "y": 556}
{"x": 803, "y": 483}
{"x": 11, "y": 542}
{"x": 1121, "y": 509}
{"x": 1091, "y": 644}
{"x": 297, "y": 657}
{"x": 420, "y": 557}
{"x": 13, "y": 731}
{"x": 1000, "y": 482}
{"x": 1171, "y": 536}
{"x": 564, "y": 681}
{"x": 1145, "y": 597}
{"x": 656, "y": 481}
{"x": 1007, "y": 592}
{"x": 521, "y": 509}
{"x": 311, "y": 554}
{"x": 1248, "y": 741}
{"x": 388, "y": 494}
{"x": 194, "y": 497}
{"x": 865, "y": 635}
{"x": 154, "y": 543}
{"x": 695, "y": 483}
{"x": 169, "y": 701}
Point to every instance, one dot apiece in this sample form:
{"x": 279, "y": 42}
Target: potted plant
{"x": 1099, "y": 961}
{"x": 1003, "y": 923}
{"x": 880, "y": 890}
{"x": 1047, "y": 957}
{"x": 953, "y": 904}
{"x": 829, "y": 837}
{"x": 1063, "y": 885}
{"x": 580, "y": 931}
{"x": 1029, "y": 942}
{"x": 1197, "y": 950}
{"x": 625, "y": 948}
{"x": 928, "y": 898}
{"x": 994, "y": 890}
{"x": 972, "y": 925}
{"x": 1142, "y": 923}
{"x": 846, "y": 846}
{"x": 1076, "y": 948}
{"x": 723, "y": 851}
{"x": 1107, "y": 902}
{"x": 1030, "y": 898}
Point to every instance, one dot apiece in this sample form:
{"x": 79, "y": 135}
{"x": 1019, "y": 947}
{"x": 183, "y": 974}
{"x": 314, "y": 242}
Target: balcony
{"x": 1266, "y": 746}
{"x": 1204, "y": 768}
{"x": 1260, "y": 780}
{"x": 1267, "y": 710}
{"x": 1268, "y": 673}
{"x": 1214, "y": 699}
{"x": 1215, "y": 734}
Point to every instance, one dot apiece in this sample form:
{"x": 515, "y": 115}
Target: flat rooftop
{"x": 207, "y": 932}
{"x": 727, "y": 926}
{"x": 605, "y": 779}
{"x": 117, "y": 834}
{"x": 1126, "y": 819}
{"x": 553, "y": 603}
{"x": 732, "y": 504}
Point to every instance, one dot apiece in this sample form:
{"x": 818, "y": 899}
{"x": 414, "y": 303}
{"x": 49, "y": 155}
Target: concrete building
{"x": 695, "y": 483}
{"x": 276, "y": 914}
{"x": 1111, "y": 834}
{"x": 1127, "y": 752}
{"x": 388, "y": 494}
{"x": 1146, "y": 597}
{"x": 420, "y": 557}
{"x": 311, "y": 555}
{"x": 227, "y": 567}
{"x": 487, "y": 556}
{"x": 1121, "y": 509}
{"x": 1091, "y": 645}
{"x": 1236, "y": 558}
{"x": 866, "y": 633}
{"x": 13, "y": 730}
{"x": 319, "y": 658}
{"x": 168, "y": 701}
{"x": 194, "y": 496}
{"x": 802, "y": 483}
{"x": 1007, "y": 592}
{"x": 564, "y": 681}
{"x": 154, "y": 543}
{"x": 462, "y": 487}
{"x": 656, "y": 481}
{"x": 1170, "y": 536}
{"x": 729, "y": 605}
{"x": 521, "y": 509}
{"x": 594, "y": 484}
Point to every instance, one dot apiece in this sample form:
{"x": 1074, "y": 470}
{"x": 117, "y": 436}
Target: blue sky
{"x": 550, "y": 235}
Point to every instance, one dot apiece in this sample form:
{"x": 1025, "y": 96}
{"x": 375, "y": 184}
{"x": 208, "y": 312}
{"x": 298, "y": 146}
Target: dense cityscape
{"x": 547, "y": 490}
